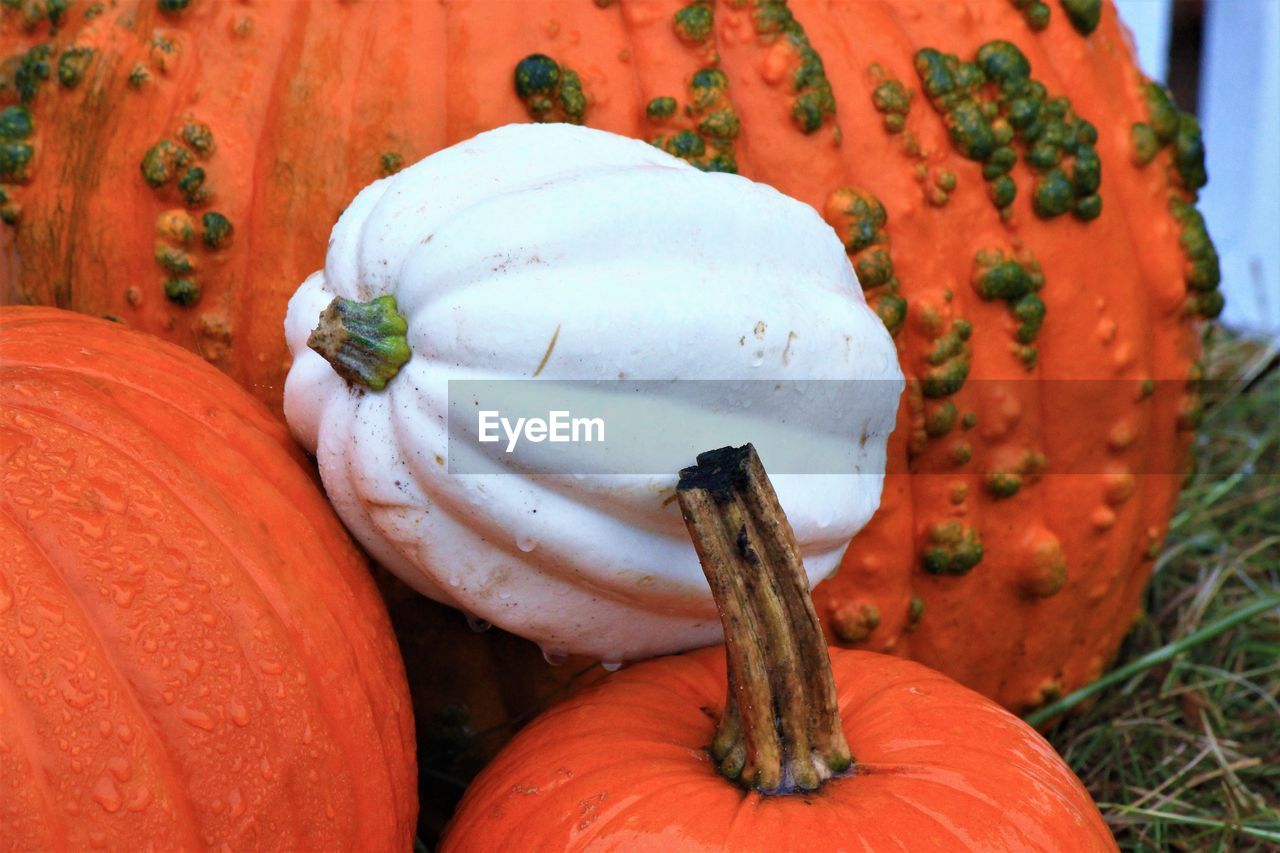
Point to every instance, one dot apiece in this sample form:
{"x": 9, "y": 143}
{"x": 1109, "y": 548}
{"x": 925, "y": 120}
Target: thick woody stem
{"x": 781, "y": 730}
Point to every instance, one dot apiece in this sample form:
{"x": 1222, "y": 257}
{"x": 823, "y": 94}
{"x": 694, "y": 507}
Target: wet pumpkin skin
{"x": 1018, "y": 583}
{"x": 192, "y": 652}
{"x": 624, "y": 766}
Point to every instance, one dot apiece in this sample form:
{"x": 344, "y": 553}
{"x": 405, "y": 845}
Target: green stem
{"x": 363, "y": 341}
{"x": 781, "y": 730}
{"x": 1159, "y": 656}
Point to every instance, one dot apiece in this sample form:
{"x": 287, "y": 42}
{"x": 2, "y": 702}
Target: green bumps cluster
{"x": 16, "y": 127}
{"x": 1168, "y": 128}
{"x": 990, "y": 128}
{"x": 893, "y": 101}
{"x": 550, "y": 92}
{"x": 814, "y": 102}
{"x": 1034, "y": 12}
{"x": 73, "y": 64}
{"x": 860, "y": 221}
{"x": 1084, "y": 15}
{"x": 953, "y": 549}
{"x": 1016, "y": 282}
{"x": 710, "y": 146}
{"x": 693, "y": 23}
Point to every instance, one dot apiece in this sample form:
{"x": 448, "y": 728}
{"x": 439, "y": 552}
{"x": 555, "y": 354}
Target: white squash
{"x": 567, "y": 253}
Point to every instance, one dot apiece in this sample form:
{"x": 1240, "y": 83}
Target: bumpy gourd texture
{"x": 622, "y": 766}
{"x": 192, "y": 654}
{"x": 182, "y": 164}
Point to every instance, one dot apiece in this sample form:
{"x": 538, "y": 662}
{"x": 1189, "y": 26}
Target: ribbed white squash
{"x": 649, "y": 269}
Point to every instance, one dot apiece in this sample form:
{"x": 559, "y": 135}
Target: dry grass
{"x": 1181, "y": 747}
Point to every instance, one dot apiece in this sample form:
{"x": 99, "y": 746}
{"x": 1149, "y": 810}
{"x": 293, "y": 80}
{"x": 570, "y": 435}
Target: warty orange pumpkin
{"x": 192, "y": 653}
{"x": 1016, "y": 197}
{"x": 857, "y": 751}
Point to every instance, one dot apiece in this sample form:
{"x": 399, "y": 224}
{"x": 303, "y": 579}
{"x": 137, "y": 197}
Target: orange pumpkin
{"x": 623, "y": 765}
{"x": 1015, "y": 195}
{"x": 192, "y": 654}
{"x": 889, "y": 755}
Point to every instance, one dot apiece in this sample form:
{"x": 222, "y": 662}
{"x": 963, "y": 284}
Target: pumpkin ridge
{"x": 330, "y": 710}
{"x": 27, "y": 749}
{"x": 1154, "y": 491}
{"x": 925, "y": 507}
{"x": 1110, "y": 561}
{"x": 1070, "y": 597}
{"x": 637, "y": 129}
{"x": 899, "y": 489}
{"x": 175, "y": 788}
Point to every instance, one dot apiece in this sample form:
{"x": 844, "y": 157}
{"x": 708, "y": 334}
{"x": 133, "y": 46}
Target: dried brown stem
{"x": 781, "y": 730}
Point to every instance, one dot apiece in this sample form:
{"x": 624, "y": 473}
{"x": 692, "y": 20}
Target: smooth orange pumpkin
{"x": 181, "y": 163}
{"x": 623, "y": 766}
{"x": 192, "y": 653}
{"x": 856, "y": 752}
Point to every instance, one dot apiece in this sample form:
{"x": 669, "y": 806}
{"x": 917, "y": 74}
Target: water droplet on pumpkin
{"x": 106, "y": 794}
{"x": 196, "y": 717}
{"x": 526, "y": 543}
{"x": 238, "y": 713}
{"x": 611, "y": 665}
{"x": 190, "y": 665}
{"x": 140, "y": 799}
{"x": 758, "y": 358}
{"x": 475, "y": 623}
{"x": 123, "y": 596}
{"x": 504, "y": 595}
{"x": 76, "y": 698}
{"x": 235, "y": 799}
{"x": 555, "y": 658}
{"x": 120, "y": 768}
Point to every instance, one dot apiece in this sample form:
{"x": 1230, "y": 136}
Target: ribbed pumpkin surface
{"x": 272, "y": 116}
{"x": 191, "y": 651}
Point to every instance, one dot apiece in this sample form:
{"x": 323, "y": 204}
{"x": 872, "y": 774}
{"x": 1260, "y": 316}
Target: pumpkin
{"x": 179, "y": 165}
{"x": 191, "y": 650}
{"x": 508, "y": 257}
{"x": 801, "y": 752}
